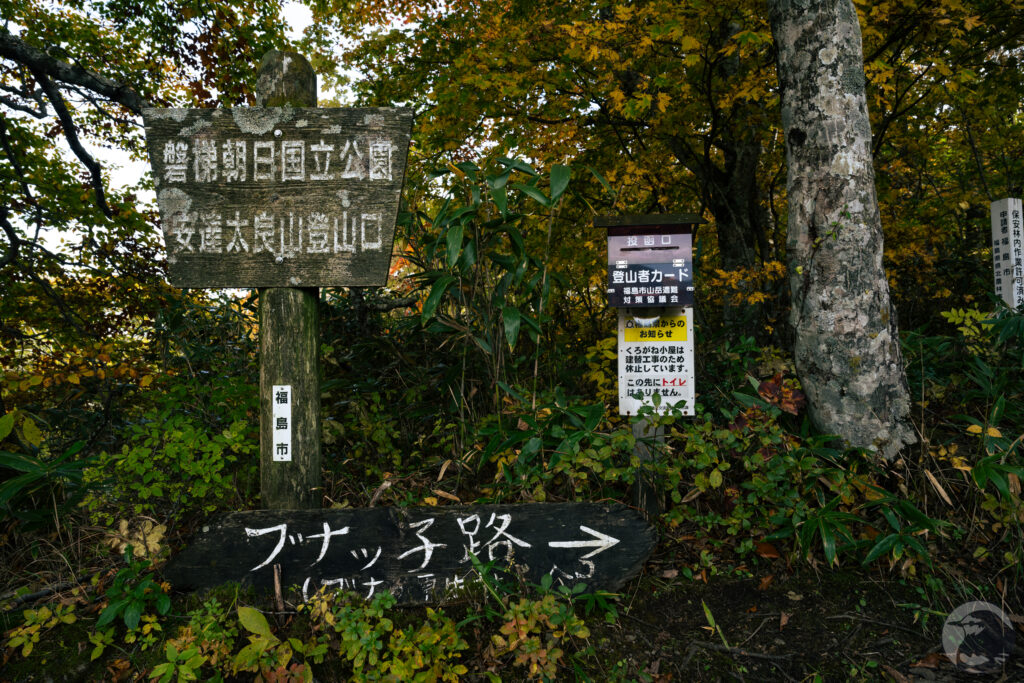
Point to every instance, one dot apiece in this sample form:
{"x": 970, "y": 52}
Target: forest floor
{"x": 778, "y": 622}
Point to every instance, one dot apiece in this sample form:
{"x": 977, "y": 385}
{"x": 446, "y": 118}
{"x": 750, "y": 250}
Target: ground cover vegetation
{"x": 486, "y": 370}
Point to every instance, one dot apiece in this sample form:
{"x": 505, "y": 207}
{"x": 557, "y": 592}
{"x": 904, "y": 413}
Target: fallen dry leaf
{"x": 938, "y": 488}
{"x": 767, "y": 550}
{"x": 445, "y": 494}
{"x": 932, "y": 660}
{"x": 691, "y": 495}
{"x": 794, "y": 596}
{"x": 765, "y": 582}
{"x": 896, "y": 675}
{"x": 670, "y": 574}
{"x": 783, "y": 620}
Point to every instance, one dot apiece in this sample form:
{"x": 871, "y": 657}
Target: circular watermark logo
{"x": 978, "y": 637}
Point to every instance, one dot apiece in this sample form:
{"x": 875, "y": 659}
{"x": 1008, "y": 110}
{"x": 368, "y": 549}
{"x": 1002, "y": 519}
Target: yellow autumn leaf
{"x": 430, "y": 500}
{"x": 73, "y": 378}
{"x": 689, "y": 44}
{"x": 974, "y": 429}
{"x": 961, "y": 464}
{"x": 146, "y": 381}
{"x": 32, "y": 432}
{"x": 994, "y": 433}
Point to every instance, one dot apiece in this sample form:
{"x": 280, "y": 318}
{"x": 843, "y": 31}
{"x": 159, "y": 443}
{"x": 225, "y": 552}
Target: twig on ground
{"x": 857, "y": 617}
{"x": 763, "y": 622}
{"x": 736, "y": 651}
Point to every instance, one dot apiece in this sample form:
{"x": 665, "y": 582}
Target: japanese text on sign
{"x": 490, "y": 538}
{"x": 656, "y": 359}
{"x": 1007, "y": 252}
{"x": 281, "y": 400}
{"x": 278, "y": 196}
{"x": 650, "y": 270}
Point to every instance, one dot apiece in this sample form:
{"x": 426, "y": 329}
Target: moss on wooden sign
{"x": 278, "y": 196}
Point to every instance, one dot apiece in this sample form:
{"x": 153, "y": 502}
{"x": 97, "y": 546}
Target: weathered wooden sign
{"x": 278, "y": 196}
{"x": 418, "y": 554}
{"x": 1007, "y": 252}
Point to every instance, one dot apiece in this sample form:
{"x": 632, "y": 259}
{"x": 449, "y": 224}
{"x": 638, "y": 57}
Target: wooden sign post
{"x": 650, "y": 282}
{"x": 417, "y": 554}
{"x": 287, "y": 198}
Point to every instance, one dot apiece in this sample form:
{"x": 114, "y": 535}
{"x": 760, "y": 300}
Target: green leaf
{"x": 534, "y": 192}
{"x": 254, "y": 622}
{"x": 434, "y": 298}
{"x": 715, "y": 478}
{"x": 132, "y": 614}
{"x": 883, "y": 546}
{"x": 531, "y": 448}
{"x": 511, "y": 317}
{"x": 601, "y": 179}
{"x": 32, "y": 433}
{"x": 483, "y": 344}
{"x": 6, "y": 425}
{"x": 511, "y": 392}
{"x": 828, "y": 542}
{"x": 517, "y": 242}
{"x": 500, "y": 197}
{"x": 517, "y": 165}
{"x": 20, "y": 462}
{"x": 559, "y": 181}
{"x": 594, "y": 414}
{"x": 453, "y": 237}
{"x": 468, "y": 259}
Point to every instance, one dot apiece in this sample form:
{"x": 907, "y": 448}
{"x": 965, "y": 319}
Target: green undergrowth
{"x": 128, "y": 625}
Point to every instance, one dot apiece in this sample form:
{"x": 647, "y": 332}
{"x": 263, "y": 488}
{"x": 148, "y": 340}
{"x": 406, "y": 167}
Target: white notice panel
{"x": 656, "y": 359}
{"x": 1007, "y": 252}
{"x": 282, "y": 422}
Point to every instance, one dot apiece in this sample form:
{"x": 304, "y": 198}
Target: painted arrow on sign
{"x": 418, "y": 554}
{"x": 601, "y": 541}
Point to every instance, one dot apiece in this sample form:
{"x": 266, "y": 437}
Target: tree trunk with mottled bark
{"x": 847, "y": 348}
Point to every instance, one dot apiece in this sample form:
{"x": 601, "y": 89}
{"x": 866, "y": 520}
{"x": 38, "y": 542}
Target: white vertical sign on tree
{"x": 281, "y": 397}
{"x": 1007, "y": 253}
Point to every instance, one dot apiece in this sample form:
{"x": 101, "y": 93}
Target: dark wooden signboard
{"x": 418, "y": 554}
{"x": 278, "y": 196}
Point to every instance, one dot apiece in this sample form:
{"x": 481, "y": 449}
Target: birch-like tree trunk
{"x": 847, "y": 348}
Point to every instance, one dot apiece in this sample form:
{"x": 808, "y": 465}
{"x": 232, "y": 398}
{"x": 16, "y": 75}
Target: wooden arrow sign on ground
{"x": 418, "y": 554}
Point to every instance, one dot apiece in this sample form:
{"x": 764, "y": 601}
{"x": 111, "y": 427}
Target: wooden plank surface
{"x": 290, "y": 453}
{"x": 278, "y": 196}
{"x": 419, "y": 554}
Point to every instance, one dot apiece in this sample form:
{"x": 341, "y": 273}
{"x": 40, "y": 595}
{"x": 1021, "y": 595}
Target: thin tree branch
{"x": 8, "y": 102}
{"x": 57, "y": 100}
{"x": 40, "y": 62}
{"x": 16, "y": 165}
{"x": 12, "y": 235}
